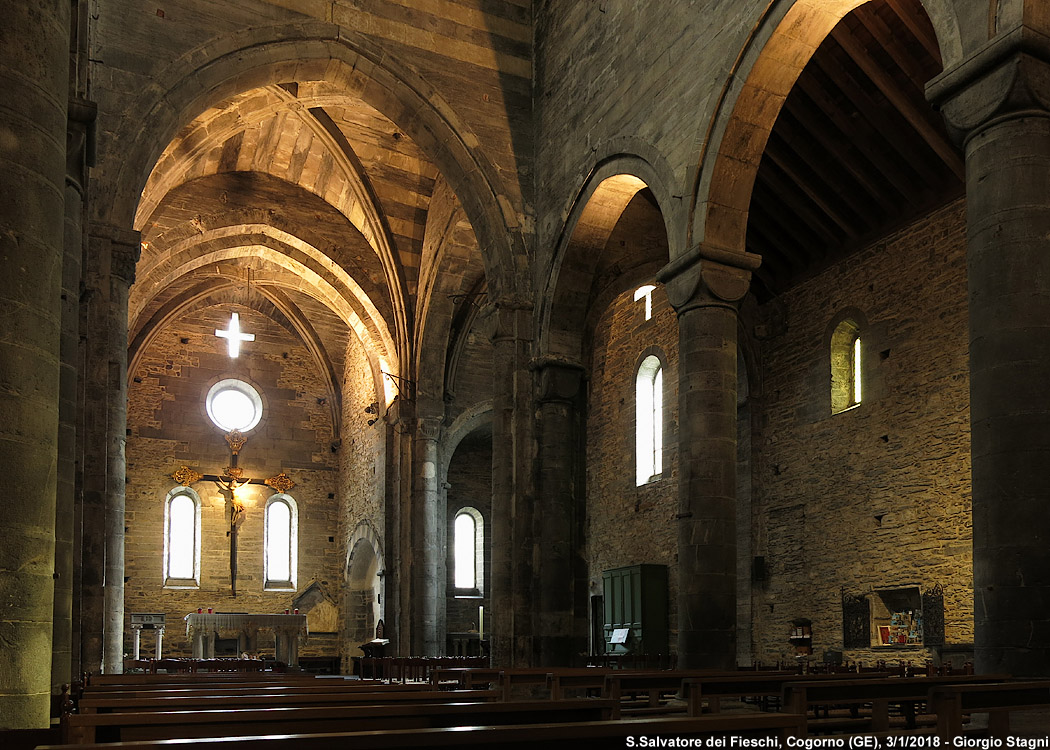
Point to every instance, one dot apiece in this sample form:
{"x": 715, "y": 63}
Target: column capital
{"x": 559, "y": 379}
{"x": 429, "y": 428}
{"x": 707, "y": 275}
{"x": 509, "y": 318}
{"x": 1006, "y": 78}
{"x": 125, "y": 247}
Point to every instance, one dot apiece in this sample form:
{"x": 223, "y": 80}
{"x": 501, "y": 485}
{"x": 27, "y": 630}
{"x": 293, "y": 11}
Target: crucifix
{"x": 233, "y": 335}
{"x": 231, "y": 479}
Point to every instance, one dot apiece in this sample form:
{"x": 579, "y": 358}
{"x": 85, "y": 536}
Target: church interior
{"x": 710, "y": 332}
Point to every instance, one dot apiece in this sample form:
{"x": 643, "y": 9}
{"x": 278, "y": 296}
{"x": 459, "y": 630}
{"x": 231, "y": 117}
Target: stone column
{"x": 34, "y": 61}
{"x": 78, "y": 135}
{"x": 704, "y": 286}
{"x": 512, "y": 537}
{"x": 428, "y": 578}
{"x": 559, "y": 630}
{"x": 112, "y": 257}
{"x": 999, "y": 102}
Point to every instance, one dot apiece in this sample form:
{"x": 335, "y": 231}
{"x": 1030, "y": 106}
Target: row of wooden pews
{"x": 322, "y": 712}
{"x": 479, "y": 708}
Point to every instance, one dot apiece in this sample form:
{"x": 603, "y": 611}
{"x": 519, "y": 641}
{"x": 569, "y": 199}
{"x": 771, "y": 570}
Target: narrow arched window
{"x": 182, "y": 539}
{"x": 846, "y": 367}
{"x": 281, "y": 543}
{"x": 468, "y": 543}
{"x": 649, "y": 423}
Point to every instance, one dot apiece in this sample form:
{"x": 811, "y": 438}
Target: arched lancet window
{"x": 182, "y": 539}
{"x": 846, "y": 367}
{"x": 468, "y": 545}
{"x": 649, "y": 422}
{"x": 281, "y": 543}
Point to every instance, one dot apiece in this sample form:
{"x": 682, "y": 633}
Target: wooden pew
{"x": 103, "y": 681}
{"x": 695, "y": 690}
{"x": 952, "y": 702}
{"x": 550, "y": 736}
{"x": 201, "y": 691}
{"x": 374, "y": 715}
{"x": 800, "y": 696}
{"x": 658, "y": 684}
{"x": 206, "y": 702}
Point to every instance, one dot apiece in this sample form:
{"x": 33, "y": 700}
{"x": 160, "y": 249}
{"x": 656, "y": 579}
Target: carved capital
{"x": 707, "y": 275}
{"x": 558, "y": 380}
{"x": 1006, "y": 78}
{"x": 429, "y": 428}
{"x": 509, "y": 319}
{"x": 125, "y": 247}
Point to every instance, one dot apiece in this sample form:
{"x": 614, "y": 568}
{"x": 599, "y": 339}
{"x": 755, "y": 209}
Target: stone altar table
{"x": 287, "y": 629}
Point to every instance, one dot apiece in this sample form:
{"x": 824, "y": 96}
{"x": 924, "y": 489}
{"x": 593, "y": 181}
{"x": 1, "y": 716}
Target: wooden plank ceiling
{"x": 856, "y": 151}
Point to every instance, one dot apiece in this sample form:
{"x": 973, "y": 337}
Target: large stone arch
{"x": 592, "y": 215}
{"x": 319, "y": 51}
{"x": 773, "y": 56}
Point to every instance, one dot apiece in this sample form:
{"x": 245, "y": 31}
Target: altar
{"x": 202, "y": 630}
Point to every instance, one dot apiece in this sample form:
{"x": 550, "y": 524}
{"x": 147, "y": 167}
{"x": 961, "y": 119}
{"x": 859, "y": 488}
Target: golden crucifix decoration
{"x": 232, "y": 479}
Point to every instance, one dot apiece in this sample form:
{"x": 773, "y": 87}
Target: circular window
{"x": 234, "y": 405}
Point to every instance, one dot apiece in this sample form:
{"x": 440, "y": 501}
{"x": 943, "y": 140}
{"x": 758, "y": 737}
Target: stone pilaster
{"x": 560, "y": 620}
{"x": 998, "y": 102}
{"x": 428, "y": 577}
{"x": 32, "y": 170}
{"x": 510, "y": 622}
{"x": 78, "y": 136}
{"x": 704, "y": 287}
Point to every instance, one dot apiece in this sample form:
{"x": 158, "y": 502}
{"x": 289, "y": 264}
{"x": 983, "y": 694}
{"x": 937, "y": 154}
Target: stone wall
{"x": 169, "y": 427}
{"x": 628, "y": 524}
{"x": 876, "y": 497}
{"x": 470, "y": 480}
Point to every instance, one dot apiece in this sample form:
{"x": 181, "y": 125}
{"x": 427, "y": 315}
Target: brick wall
{"x": 168, "y": 427}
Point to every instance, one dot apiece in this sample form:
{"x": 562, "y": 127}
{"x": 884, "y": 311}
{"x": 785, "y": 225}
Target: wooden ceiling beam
{"x": 796, "y": 242}
{"x": 919, "y": 115}
{"x": 775, "y": 264}
{"x": 797, "y": 158}
{"x": 908, "y": 11}
{"x": 772, "y": 179}
{"x": 829, "y": 127}
{"x": 894, "y": 44}
{"x": 890, "y": 126}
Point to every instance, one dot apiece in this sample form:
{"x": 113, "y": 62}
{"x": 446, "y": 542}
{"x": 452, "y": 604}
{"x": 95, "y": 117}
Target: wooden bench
{"x": 952, "y": 702}
{"x": 764, "y": 685}
{"x": 655, "y": 685}
{"x": 102, "y": 681}
{"x": 228, "y": 702}
{"x": 550, "y": 736}
{"x": 123, "y": 727}
{"x": 202, "y": 691}
{"x": 907, "y": 692}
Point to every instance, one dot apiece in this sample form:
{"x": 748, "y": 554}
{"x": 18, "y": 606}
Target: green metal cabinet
{"x": 636, "y": 598}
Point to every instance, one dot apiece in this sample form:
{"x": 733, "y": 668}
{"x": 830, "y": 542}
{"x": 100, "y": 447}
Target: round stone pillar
{"x": 998, "y": 101}
{"x": 560, "y": 620}
{"x": 81, "y": 118}
{"x": 428, "y": 578}
{"x": 704, "y": 286}
{"x": 34, "y": 61}
{"x": 512, "y": 534}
